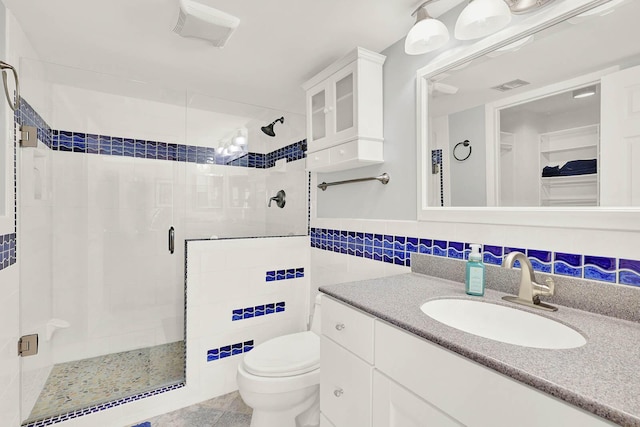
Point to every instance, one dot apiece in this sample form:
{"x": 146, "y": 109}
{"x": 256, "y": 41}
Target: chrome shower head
{"x": 268, "y": 129}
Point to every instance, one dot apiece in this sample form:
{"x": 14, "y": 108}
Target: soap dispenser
{"x": 474, "y": 279}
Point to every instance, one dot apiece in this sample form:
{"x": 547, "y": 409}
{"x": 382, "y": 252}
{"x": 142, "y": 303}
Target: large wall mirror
{"x": 549, "y": 121}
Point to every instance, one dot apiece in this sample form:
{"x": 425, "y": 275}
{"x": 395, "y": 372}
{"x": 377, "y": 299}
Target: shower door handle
{"x": 172, "y": 239}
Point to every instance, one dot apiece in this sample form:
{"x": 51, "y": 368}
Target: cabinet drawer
{"x": 348, "y": 327}
{"x": 345, "y": 386}
{"x": 344, "y": 152}
{"x": 318, "y": 159}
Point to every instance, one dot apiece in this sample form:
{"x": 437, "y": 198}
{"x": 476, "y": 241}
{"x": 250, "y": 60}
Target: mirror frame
{"x": 622, "y": 218}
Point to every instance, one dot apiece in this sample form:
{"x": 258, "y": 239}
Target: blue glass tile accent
{"x": 455, "y": 250}
{"x": 567, "y": 264}
{"x": 117, "y": 146}
{"x": 145, "y": 424}
{"x": 299, "y": 272}
{"x": 387, "y": 242}
{"x": 65, "y": 141}
{"x": 387, "y": 255}
{"x": 399, "y": 243}
{"x": 600, "y": 268}
{"x": 540, "y": 260}
{"x": 161, "y": 150}
{"x": 271, "y": 276}
{"x": 247, "y": 346}
{"x": 172, "y": 152}
{"x": 492, "y": 254}
{"x": 129, "y": 147}
{"x": 279, "y": 307}
{"x": 360, "y": 239}
{"x": 412, "y": 244}
{"x": 291, "y": 273}
{"x": 629, "y": 272}
{"x": 192, "y": 154}
{"x": 425, "y": 246}
{"x": 508, "y": 250}
{"x": 236, "y": 314}
{"x": 281, "y": 274}
{"x": 378, "y": 240}
{"x": 139, "y": 148}
{"x": 79, "y": 143}
{"x": 368, "y": 239}
{"x": 182, "y": 153}
{"x": 270, "y": 308}
{"x": 93, "y": 144}
{"x": 439, "y": 248}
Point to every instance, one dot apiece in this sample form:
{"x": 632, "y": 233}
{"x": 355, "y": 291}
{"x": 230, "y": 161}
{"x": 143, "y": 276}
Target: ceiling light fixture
{"x": 525, "y": 6}
{"x": 427, "y": 34}
{"x": 481, "y": 18}
{"x": 584, "y": 92}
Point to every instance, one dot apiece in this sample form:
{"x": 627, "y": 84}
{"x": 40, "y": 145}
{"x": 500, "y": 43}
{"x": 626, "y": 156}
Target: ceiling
{"x": 278, "y": 45}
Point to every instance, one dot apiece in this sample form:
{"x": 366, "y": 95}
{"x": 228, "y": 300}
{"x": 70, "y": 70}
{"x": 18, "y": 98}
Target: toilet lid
{"x": 293, "y": 354}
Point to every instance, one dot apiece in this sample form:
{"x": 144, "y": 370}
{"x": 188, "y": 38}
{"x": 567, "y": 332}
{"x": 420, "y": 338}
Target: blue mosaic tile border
{"x": 87, "y": 143}
{"x": 101, "y": 407}
{"x": 257, "y": 311}
{"x": 229, "y": 350}
{"x": 290, "y": 273}
{"x": 397, "y": 250}
{"x": 7, "y": 250}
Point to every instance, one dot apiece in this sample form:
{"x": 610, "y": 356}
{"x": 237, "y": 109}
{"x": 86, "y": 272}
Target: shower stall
{"x": 124, "y": 173}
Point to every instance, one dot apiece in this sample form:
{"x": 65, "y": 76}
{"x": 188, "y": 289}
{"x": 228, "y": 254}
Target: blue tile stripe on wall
{"x": 7, "y": 250}
{"x": 79, "y": 142}
{"x": 229, "y": 350}
{"x": 257, "y": 311}
{"x": 101, "y": 407}
{"x": 287, "y": 274}
{"x": 397, "y": 250}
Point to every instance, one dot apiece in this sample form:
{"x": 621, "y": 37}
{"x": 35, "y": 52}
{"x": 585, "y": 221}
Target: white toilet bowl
{"x": 280, "y": 379}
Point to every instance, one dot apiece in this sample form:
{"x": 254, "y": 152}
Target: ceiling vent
{"x": 204, "y": 22}
{"x": 513, "y": 84}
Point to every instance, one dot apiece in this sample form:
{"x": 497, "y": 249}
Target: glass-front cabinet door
{"x": 332, "y": 106}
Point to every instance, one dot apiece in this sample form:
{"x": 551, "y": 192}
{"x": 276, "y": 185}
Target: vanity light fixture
{"x": 584, "y": 92}
{"x": 427, "y": 34}
{"x": 481, "y": 18}
{"x": 525, "y": 6}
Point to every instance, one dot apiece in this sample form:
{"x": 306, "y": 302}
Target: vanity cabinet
{"x": 344, "y": 113}
{"x": 346, "y": 365}
{"x": 557, "y": 148}
{"x": 411, "y": 382}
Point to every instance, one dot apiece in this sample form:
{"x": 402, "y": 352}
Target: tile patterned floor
{"x": 224, "y": 411}
{"x": 82, "y": 383}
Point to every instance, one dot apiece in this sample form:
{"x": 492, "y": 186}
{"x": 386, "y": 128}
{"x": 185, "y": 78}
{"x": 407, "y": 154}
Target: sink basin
{"x": 504, "y": 324}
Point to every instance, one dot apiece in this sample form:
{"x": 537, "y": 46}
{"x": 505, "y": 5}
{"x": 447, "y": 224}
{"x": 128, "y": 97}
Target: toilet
{"x": 280, "y": 379}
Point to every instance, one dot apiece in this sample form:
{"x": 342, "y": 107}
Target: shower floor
{"x": 83, "y": 383}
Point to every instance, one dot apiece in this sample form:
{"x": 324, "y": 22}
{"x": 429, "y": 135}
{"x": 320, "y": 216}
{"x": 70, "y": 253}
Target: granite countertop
{"x": 601, "y": 377}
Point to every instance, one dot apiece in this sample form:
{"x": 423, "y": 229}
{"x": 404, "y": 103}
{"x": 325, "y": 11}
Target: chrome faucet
{"x": 530, "y": 291}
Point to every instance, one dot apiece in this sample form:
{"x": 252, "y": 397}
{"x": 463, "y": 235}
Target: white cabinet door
{"x": 345, "y": 386}
{"x": 395, "y": 406}
{"x": 620, "y": 136}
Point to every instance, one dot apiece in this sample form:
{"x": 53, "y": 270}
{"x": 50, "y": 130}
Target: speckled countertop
{"x": 601, "y": 377}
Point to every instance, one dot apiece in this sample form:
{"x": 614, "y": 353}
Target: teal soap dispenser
{"x": 474, "y": 279}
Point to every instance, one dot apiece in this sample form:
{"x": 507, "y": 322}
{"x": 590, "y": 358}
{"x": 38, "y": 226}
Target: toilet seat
{"x": 284, "y": 356}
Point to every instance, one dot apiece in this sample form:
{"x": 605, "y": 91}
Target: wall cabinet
{"x": 344, "y": 107}
{"x": 409, "y": 381}
{"x": 557, "y": 148}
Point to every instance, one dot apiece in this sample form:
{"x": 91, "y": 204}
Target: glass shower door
{"x": 99, "y": 283}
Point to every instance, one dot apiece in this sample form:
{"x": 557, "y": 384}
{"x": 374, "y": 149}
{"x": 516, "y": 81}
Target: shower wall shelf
{"x": 344, "y": 113}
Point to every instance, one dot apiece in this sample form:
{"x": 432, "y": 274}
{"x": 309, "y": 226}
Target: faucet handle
{"x": 546, "y": 289}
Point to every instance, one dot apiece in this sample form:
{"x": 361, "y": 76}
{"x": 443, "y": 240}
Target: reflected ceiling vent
{"x": 204, "y": 22}
{"x": 513, "y": 84}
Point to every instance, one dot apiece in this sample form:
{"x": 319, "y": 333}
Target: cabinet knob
{"x": 338, "y": 392}
{"x": 339, "y": 326}
{"x": 326, "y": 110}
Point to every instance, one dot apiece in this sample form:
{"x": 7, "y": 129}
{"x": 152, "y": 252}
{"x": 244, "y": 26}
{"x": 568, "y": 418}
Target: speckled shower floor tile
{"x": 224, "y": 411}
{"x": 82, "y": 383}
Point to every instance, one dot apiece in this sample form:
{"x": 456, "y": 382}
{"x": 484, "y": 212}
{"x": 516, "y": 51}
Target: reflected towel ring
{"x": 4, "y": 66}
{"x": 464, "y": 143}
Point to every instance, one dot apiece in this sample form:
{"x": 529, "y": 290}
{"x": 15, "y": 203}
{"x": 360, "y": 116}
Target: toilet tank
{"x": 317, "y": 315}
